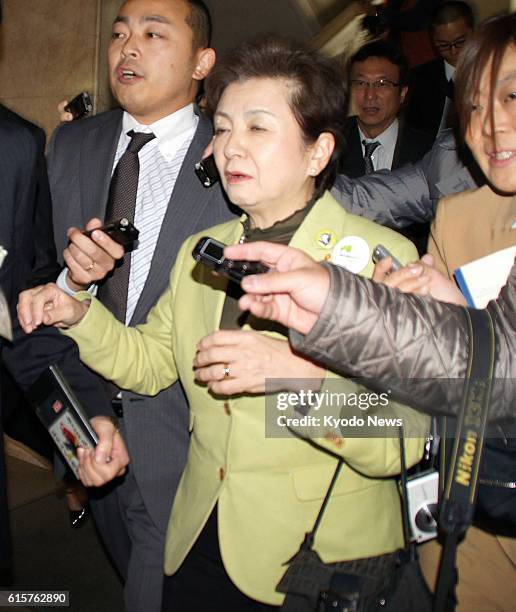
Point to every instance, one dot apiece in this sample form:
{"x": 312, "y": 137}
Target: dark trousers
{"x": 133, "y": 541}
{"x": 201, "y": 583}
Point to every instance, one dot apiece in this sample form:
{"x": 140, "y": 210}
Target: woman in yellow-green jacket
{"x": 246, "y": 500}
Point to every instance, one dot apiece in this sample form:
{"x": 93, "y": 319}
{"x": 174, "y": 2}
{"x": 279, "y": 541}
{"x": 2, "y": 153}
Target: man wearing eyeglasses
{"x": 377, "y": 137}
{"x": 430, "y": 105}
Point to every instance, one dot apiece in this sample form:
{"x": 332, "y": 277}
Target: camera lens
{"x": 426, "y": 518}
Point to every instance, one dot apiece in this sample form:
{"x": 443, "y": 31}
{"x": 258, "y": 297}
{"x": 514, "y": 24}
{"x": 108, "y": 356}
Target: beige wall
{"x": 486, "y": 8}
{"x": 53, "y": 49}
{"x": 50, "y": 50}
{"x": 109, "y": 10}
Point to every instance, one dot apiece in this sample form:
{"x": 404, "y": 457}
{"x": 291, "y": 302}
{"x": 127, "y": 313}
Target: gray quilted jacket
{"x": 405, "y": 342}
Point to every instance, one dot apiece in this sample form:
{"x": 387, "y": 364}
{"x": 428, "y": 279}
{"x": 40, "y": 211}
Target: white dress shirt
{"x": 449, "y": 70}
{"x": 383, "y": 155}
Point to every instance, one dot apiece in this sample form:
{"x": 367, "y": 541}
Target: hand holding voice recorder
{"x": 121, "y": 231}
{"x": 380, "y": 252}
{"x": 210, "y": 252}
{"x": 207, "y": 172}
{"x": 80, "y": 106}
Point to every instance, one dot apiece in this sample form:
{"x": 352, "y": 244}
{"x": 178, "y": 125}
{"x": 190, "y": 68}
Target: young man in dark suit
{"x": 158, "y": 55}
{"x": 430, "y": 104}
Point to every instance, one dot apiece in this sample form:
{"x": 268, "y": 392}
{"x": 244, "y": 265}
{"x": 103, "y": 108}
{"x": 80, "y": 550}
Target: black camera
{"x": 210, "y": 252}
{"x": 207, "y": 172}
{"x": 80, "y": 106}
{"x": 121, "y": 231}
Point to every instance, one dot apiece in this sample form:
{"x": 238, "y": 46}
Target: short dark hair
{"x": 199, "y": 21}
{"x": 390, "y": 52}
{"x": 319, "y": 98}
{"x": 450, "y": 11}
{"x": 489, "y": 43}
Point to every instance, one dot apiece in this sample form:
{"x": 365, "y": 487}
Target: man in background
{"x": 378, "y": 137}
{"x": 430, "y": 106}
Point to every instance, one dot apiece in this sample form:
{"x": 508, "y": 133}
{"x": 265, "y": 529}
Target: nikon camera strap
{"x": 458, "y": 502}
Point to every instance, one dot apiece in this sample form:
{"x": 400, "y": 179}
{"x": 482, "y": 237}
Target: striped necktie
{"x": 369, "y": 148}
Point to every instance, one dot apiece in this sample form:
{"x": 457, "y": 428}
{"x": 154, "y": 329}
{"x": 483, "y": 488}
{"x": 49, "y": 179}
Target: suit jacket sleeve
{"x": 394, "y": 198}
{"x": 17, "y": 154}
{"x": 411, "y": 193}
{"x": 139, "y": 359}
{"x": 427, "y": 353}
{"x": 29, "y": 355}
{"x": 17, "y": 188}
{"x": 46, "y": 267}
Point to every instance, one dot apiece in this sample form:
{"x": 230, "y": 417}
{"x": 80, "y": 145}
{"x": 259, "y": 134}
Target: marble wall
{"x": 108, "y": 13}
{"x": 491, "y": 7}
{"x": 51, "y": 50}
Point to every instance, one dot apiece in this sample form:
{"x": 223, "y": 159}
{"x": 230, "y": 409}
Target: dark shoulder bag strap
{"x": 458, "y": 501}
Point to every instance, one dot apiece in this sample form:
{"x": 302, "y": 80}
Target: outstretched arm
{"x": 348, "y": 319}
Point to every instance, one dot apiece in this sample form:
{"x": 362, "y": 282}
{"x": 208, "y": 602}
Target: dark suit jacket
{"x": 427, "y": 93}
{"x": 28, "y": 356}
{"x": 45, "y": 267}
{"x": 411, "y": 146}
{"x": 17, "y": 187}
{"x": 80, "y": 159}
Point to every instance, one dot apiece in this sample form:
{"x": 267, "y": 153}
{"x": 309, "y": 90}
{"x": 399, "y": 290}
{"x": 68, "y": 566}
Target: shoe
{"x": 77, "y": 502}
{"x": 78, "y": 517}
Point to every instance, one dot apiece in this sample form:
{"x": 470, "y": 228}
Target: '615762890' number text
{"x": 42, "y": 598}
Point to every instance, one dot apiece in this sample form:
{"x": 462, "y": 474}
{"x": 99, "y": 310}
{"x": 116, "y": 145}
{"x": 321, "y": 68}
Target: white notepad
{"x": 481, "y": 280}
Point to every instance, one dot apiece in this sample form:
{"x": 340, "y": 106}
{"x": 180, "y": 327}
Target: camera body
{"x": 207, "y": 172}
{"x": 80, "y": 106}
{"x": 423, "y": 501}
